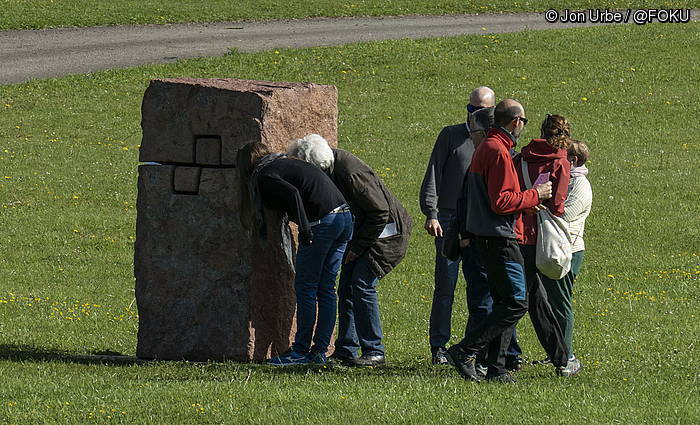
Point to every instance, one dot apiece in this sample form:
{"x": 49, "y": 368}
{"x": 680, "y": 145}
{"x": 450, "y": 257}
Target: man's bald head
{"x": 507, "y": 115}
{"x": 506, "y": 111}
{"x": 482, "y": 97}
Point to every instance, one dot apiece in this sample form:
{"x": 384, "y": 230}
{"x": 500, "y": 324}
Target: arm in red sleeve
{"x": 504, "y": 188}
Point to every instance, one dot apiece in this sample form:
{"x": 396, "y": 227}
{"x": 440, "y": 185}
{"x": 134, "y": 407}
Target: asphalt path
{"x": 30, "y": 54}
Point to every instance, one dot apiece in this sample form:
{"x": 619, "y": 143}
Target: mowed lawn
{"x": 81, "y": 13}
{"x": 68, "y": 158}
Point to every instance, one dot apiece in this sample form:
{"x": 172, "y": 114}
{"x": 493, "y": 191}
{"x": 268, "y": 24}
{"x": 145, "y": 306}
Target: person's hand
{"x": 463, "y": 243}
{"x": 544, "y": 190}
{"x": 350, "y": 257}
{"x": 433, "y": 227}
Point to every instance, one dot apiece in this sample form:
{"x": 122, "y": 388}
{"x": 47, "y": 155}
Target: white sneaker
{"x": 573, "y": 366}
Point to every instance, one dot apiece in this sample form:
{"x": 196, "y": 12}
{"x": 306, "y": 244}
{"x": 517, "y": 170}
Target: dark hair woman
{"x": 545, "y": 159}
{"x": 311, "y": 200}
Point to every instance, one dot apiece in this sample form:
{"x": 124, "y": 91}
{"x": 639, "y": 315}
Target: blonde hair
{"x": 557, "y": 131}
{"x": 314, "y": 149}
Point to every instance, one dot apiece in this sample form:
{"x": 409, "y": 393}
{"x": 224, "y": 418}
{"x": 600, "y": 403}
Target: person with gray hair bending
{"x": 379, "y": 242}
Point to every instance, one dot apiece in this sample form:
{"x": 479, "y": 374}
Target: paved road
{"x": 25, "y": 55}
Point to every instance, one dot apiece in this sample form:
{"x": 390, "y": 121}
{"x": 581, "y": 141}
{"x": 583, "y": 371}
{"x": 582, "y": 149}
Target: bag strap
{"x": 526, "y": 174}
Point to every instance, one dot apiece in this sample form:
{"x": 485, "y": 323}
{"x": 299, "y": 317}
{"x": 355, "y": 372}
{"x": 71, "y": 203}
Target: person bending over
{"x": 311, "y": 200}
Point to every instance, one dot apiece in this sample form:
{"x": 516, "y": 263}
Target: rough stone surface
{"x": 206, "y": 288}
{"x": 177, "y": 112}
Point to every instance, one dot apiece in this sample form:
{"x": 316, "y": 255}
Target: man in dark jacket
{"x": 379, "y": 242}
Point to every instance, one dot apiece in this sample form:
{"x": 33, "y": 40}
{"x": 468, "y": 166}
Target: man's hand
{"x": 463, "y": 243}
{"x": 350, "y": 257}
{"x": 544, "y": 191}
{"x": 433, "y": 227}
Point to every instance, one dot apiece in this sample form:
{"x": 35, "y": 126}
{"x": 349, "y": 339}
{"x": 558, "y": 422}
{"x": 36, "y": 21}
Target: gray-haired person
{"x": 379, "y": 242}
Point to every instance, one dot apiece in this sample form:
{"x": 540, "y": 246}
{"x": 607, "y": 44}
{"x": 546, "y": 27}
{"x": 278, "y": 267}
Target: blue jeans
{"x": 479, "y": 301}
{"x": 317, "y": 266}
{"x": 359, "y": 324}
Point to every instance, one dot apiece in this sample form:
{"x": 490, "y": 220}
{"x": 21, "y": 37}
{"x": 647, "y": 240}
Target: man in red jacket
{"x": 494, "y": 206}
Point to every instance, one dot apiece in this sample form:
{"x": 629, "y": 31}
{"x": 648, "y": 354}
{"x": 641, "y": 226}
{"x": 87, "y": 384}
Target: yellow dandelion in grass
{"x": 611, "y": 276}
{"x": 76, "y": 197}
{"x": 585, "y": 99}
{"x": 125, "y": 148}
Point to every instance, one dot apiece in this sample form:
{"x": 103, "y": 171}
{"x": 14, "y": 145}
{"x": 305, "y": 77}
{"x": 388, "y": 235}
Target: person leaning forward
{"x": 494, "y": 206}
{"x": 379, "y": 242}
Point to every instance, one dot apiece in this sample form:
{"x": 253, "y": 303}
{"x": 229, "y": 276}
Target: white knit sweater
{"x": 577, "y": 206}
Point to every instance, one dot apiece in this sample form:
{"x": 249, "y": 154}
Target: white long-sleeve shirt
{"x": 577, "y": 206}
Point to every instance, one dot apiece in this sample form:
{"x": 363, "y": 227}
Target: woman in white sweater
{"x": 576, "y": 209}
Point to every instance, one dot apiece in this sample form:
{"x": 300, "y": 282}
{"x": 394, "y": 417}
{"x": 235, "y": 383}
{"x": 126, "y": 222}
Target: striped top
{"x": 577, "y": 206}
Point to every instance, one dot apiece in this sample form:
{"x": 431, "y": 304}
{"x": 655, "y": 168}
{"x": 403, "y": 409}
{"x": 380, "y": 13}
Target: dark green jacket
{"x": 373, "y": 206}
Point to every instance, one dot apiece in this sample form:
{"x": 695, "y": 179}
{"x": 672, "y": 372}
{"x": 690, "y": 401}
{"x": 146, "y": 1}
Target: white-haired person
{"x": 379, "y": 242}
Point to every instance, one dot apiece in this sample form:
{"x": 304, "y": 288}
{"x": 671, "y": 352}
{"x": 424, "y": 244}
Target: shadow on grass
{"x": 27, "y": 353}
{"x": 21, "y": 353}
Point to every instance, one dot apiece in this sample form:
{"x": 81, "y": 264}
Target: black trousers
{"x": 543, "y": 319}
{"x": 506, "y": 279}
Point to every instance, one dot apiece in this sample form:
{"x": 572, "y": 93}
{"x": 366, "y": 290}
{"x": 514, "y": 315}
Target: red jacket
{"x": 541, "y": 157}
{"x": 494, "y": 197}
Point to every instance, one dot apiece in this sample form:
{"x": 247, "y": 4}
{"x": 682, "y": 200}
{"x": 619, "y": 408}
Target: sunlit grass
{"x": 68, "y": 156}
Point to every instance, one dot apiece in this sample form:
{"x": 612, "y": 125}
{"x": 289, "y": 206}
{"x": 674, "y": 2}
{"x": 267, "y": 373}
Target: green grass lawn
{"x": 61, "y": 13}
{"x": 68, "y": 156}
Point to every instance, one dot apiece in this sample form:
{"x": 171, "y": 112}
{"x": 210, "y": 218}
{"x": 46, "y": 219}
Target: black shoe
{"x": 439, "y": 356}
{"x": 514, "y": 363}
{"x": 463, "y": 362}
{"x": 504, "y": 378}
{"x": 342, "y": 359}
{"x": 546, "y": 360}
{"x": 370, "y": 360}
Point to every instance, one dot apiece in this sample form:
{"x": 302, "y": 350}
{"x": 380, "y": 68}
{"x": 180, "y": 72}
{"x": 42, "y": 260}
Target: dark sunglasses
{"x": 471, "y": 108}
{"x": 523, "y": 119}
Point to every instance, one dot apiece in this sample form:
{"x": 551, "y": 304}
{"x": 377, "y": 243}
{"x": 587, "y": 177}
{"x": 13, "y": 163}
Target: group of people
{"x": 476, "y": 185}
{"x": 348, "y": 220}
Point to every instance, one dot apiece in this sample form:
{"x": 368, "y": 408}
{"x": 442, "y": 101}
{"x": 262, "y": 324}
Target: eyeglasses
{"x": 523, "y": 119}
{"x": 471, "y": 108}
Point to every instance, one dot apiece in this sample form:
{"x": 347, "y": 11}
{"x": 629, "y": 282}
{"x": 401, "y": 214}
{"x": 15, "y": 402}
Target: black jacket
{"x": 373, "y": 206}
{"x": 300, "y": 189}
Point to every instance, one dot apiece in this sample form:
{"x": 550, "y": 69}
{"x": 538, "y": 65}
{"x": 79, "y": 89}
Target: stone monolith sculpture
{"x": 207, "y": 288}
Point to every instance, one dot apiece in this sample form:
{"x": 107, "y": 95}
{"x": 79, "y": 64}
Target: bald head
{"x": 482, "y": 97}
{"x": 506, "y": 115}
{"x": 507, "y": 110}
